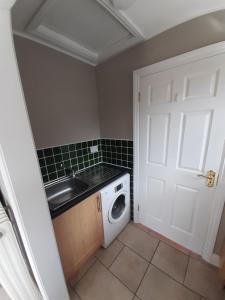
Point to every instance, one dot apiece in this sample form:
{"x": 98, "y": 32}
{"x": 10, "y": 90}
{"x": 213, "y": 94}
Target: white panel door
{"x": 182, "y": 133}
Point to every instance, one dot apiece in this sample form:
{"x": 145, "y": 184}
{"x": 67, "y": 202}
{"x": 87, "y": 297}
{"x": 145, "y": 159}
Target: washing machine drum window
{"x": 118, "y": 208}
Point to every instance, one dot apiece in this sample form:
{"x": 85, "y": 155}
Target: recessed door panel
{"x": 195, "y": 131}
{"x": 201, "y": 85}
{"x": 184, "y": 208}
{"x": 154, "y": 194}
{"x": 158, "y": 134}
{"x": 161, "y": 93}
{"x": 181, "y": 124}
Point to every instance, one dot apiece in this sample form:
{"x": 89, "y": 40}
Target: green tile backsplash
{"x": 79, "y": 157}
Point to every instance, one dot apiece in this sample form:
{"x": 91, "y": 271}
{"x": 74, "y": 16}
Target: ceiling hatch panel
{"x": 84, "y": 28}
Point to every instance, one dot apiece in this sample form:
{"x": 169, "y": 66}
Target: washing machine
{"x": 115, "y": 199}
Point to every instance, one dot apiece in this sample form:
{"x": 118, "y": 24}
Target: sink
{"x": 63, "y": 191}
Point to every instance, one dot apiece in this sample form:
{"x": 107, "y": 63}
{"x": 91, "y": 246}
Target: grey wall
{"x": 114, "y": 77}
{"x": 60, "y": 93}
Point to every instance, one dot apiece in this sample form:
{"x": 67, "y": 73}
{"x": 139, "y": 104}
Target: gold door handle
{"x": 211, "y": 175}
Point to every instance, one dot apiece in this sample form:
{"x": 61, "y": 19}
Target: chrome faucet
{"x": 74, "y": 173}
{"x": 69, "y": 169}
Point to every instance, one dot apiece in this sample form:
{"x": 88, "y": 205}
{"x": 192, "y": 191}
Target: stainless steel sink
{"x": 63, "y": 191}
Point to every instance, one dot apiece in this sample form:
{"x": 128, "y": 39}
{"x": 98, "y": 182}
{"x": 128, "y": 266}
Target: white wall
{"x": 3, "y": 295}
{"x": 20, "y": 178}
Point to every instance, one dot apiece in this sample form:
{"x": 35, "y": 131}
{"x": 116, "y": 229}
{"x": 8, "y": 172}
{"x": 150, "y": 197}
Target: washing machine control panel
{"x": 118, "y": 187}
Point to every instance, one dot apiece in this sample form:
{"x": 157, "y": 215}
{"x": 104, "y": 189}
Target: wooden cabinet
{"x": 79, "y": 233}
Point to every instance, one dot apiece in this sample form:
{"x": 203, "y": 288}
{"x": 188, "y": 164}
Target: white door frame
{"x": 20, "y": 177}
{"x": 195, "y": 55}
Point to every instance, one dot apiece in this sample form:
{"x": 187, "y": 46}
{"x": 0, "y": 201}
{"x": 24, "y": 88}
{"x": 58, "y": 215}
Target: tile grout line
{"x": 186, "y": 268}
{"x": 75, "y": 293}
{"x": 149, "y": 263}
{"x": 138, "y": 256}
{"x": 155, "y": 251}
{"x": 72, "y": 287}
{"x": 180, "y": 283}
{"x": 135, "y": 293}
{"x": 142, "y": 279}
{"x": 172, "y": 246}
{"x": 123, "y": 246}
{"x": 115, "y": 156}
{"x": 168, "y": 243}
{"x": 107, "y": 268}
{"x": 116, "y": 277}
{"x": 185, "y": 275}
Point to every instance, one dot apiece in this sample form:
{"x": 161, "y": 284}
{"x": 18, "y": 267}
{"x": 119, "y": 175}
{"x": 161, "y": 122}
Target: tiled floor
{"x": 141, "y": 265}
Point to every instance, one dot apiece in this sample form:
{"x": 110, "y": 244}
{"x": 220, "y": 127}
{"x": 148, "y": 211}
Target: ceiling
{"x": 94, "y": 30}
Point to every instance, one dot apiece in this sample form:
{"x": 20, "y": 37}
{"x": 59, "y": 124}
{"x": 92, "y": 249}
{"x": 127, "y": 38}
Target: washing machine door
{"x": 118, "y": 207}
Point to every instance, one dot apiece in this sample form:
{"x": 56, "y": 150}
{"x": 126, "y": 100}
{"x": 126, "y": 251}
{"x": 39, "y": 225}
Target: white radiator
{"x": 14, "y": 275}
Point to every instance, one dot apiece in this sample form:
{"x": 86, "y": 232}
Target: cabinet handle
{"x": 99, "y": 203}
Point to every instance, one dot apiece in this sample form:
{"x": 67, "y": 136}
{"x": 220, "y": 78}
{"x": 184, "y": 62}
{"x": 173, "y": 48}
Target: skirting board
{"x": 215, "y": 260}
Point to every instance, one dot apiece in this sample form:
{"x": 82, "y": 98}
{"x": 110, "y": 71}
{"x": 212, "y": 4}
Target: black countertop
{"x": 96, "y": 178}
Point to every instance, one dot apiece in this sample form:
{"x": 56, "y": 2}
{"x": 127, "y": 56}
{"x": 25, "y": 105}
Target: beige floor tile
{"x": 73, "y": 295}
{"x": 107, "y": 256}
{"x": 203, "y": 279}
{"x": 82, "y": 271}
{"x": 169, "y": 242}
{"x": 142, "y": 227}
{"x": 99, "y": 284}
{"x": 129, "y": 268}
{"x": 136, "y": 298}
{"x": 171, "y": 261}
{"x": 138, "y": 240}
{"x": 156, "y": 285}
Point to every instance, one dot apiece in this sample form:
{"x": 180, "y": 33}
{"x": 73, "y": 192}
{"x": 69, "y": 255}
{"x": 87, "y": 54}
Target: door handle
{"x": 210, "y": 176}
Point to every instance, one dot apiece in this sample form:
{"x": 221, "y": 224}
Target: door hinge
{"x": 139, "y": 97}
{"x": 138, "y": 208}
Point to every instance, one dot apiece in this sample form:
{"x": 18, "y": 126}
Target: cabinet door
{"x": 79, "y": 233}
{"x": 91, "y": 223}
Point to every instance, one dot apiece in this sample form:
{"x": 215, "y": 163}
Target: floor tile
{"x": 107, "y": 256}
{"x": 73, "y": 295}
{"x": 169, "y": 242}
{"x": 129, "y": 268}
{"x": 138, "y": 240}
{"x": 82, "y": 271}
{"x": 142, "y": 227}
{"x": 99, "y": 284}
{"x": 171, "y": 261}
{"x": 156, "y": 285}
{"x": 204, "y": 279}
